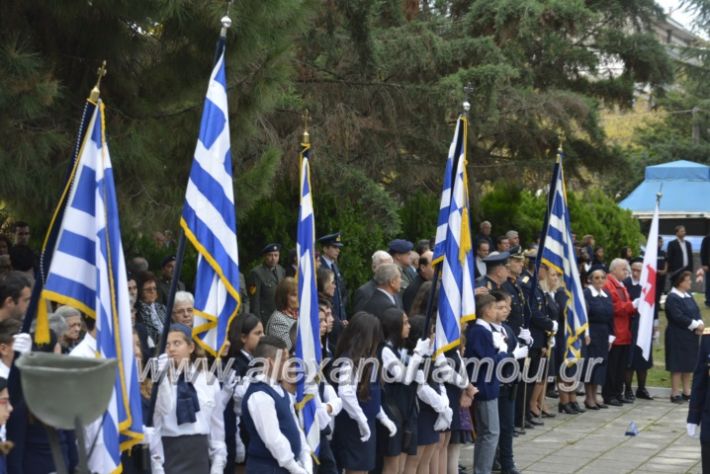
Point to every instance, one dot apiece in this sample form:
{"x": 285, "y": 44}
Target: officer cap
{"x": 516, "y": 252}
{"x": 331, "y": 240}
{"x": 400, "y": 246}
{"x": 273, "y": 247}
{"x": 166, "y": 260}
{"x": 496, "y": 258}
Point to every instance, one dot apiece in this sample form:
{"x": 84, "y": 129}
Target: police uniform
{"x": 262, "y": 283}
{"x": 700, "y": 399}
{"x": 400, "y": 246}
{"x": 340, "y": 296}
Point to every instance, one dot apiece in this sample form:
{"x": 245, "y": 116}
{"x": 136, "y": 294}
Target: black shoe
{"x": 515, "y": 434}
{"x": 535, "y": 422}
{"x": 623, "y": 399}
{"x": 602, "y": 406}
{"x": 519, "y": 431}
{"x": 496, "y": 465}
{"x": 547, "y": 414}
{"x": 566, "y": 408}
{"x": 552, "y": 394}
{"x": 643, "y": 394}
{"x": 676, "y": 399}
{"x": 629, "y": 394}
{"x": 591, "y": 407}
{"x": 613, "y": 402}
{"x": 576, "y": 406}
{"x": 686, "y": 398}
{"x": 510, "y": 471}
{"x": 528, "y": 425}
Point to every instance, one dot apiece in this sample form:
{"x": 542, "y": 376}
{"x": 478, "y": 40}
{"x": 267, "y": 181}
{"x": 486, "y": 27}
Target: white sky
{"x": 680, "y": 15}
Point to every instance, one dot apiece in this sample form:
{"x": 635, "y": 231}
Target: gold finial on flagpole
{"x": 96, "y": 92}
{"x": 306, "y": 139}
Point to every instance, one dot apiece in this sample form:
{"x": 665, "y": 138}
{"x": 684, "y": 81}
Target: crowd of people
{"x": 396, "y": 416}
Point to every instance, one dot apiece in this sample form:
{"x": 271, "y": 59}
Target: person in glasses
{"x": 149, "y": 311}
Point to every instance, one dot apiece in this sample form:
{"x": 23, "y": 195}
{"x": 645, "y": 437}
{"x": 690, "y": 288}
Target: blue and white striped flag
{"x": 442, "y": 224}
{"x": 456, "y": 295}
{"x": 88, "y": 272}
{"x": 308, "y": 336}
{"x": 558, "y": 253}
{"x": 209, "y": 219}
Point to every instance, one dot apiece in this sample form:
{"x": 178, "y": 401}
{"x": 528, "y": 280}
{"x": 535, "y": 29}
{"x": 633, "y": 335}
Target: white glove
{"x": 692, "y": 429}
{"x": 156, "y": 467}
{"x": 636, "y": 303}
{"x": 553, "y": 341}
{"x": 22, "y": 343}
{"x": 364, "y": 431}
{"x": 525, "y": 336}
{"x": 443, "y": 421}
{"x": 499, "y": 342}
{"x": 294, "y": 468}
{"x": 389, "y": 424}
{"x": 424, "y": 347}
{"x": 162, "y": 362}
{"x": 612, "y": 338}
{"x": 520, "y": 352}
{"x": 217, "y": 466}
{"x": 555, "y": 327}
{"x": 419, "y": 378}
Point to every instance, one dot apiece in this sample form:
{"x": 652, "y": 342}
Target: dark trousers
{"x": 615, "y": 372}
{"x": 707, "y": 289}
{"x": 522, "y": 396}
{"x": 705, "y": 456}
{"x": 506, "y": 412}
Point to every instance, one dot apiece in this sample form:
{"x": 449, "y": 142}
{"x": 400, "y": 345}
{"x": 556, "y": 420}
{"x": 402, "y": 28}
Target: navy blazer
{"x": 479, "y": 346}
{"x": 700, "y": 393}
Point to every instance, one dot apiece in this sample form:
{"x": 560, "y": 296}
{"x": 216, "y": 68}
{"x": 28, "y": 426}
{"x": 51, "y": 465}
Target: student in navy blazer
{"x": 486, "y": 345}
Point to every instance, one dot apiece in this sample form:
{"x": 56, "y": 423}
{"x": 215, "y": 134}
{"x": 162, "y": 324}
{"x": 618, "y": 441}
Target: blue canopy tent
{"x": 686, "y": 197}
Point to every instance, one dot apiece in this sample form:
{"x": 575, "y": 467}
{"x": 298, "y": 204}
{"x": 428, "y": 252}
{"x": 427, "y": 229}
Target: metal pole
{"x": 179, "y": 256}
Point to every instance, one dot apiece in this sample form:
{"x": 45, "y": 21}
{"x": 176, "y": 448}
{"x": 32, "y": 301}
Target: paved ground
{"x": 594, "y": 442}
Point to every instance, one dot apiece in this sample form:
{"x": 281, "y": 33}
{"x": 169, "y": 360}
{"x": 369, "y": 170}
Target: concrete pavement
{"x": 594, "y": 442}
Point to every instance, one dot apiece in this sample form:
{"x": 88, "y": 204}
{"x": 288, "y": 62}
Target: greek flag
{"x": 308, "y": 336}
{"x": 88, "y": 272}
{"x": 455, "y": 151}
{"x": 456, "y": 295}
{"x": 209, "y": 219}
{"x": 558, "y": 253}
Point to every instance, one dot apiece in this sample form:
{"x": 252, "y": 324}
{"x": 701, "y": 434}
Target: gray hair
{"x": 66, "y": 311}
{"x": 58, "y": 324}
{"x": 385, "y": 273}
{"x": 184, "y": 297}
{"x": 380, "y": 257}
{"x": 618, "y": 262}
{"x": 511, "y": 234}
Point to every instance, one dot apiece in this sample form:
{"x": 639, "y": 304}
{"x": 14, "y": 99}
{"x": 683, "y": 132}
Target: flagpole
{"x": 468, "y": 89}
{"x": 179, "y": 258}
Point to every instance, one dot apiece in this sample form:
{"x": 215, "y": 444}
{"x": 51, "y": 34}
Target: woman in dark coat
{"x": 684, "y": 326}
{"x": 600, "y": 314}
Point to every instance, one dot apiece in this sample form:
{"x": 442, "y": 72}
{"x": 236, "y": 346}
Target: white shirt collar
{"x": 485, "y": 324}
{"x": 635, "y": 282}
{"x": 247, "y": 355}
{"x": 262, "y": 377}
{"x": 680, "y": 293}
{"x": 389, "y": 295}
{"x": 596, "y": 293}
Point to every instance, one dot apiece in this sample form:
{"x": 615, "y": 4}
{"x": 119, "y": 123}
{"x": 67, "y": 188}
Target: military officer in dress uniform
{"x": 330, "y": 251}
{"x": 496, "y": 271}
{"x": 517, "y": 278}
{"x": 700, "y": 400}
{"x": 262, "y": 283}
